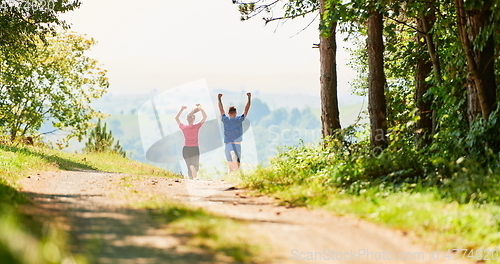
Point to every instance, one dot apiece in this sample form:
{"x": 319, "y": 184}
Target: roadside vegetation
{"x": 448, "y": 198}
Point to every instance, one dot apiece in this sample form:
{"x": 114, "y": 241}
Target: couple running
{"x": 233, "y": 135}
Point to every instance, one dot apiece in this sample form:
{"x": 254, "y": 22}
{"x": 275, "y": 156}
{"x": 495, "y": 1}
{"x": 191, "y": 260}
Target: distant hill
{"x": 128, "y": 103}
{"x": 277, "y": 119}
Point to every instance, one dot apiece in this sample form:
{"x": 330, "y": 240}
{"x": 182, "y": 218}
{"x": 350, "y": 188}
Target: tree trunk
{"x": 425, "y": 24}
{"x": 377, "y": 82}
{"x": 484, "y": 60}
{"x": 472, "y": 64}
{"x": 424, "y": 126}
{"x": 473, "y": 105}
{"x": 328, "y": 77}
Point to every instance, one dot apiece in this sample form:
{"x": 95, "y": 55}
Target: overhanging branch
{"x": 406, "y": 24}
{"x": 288, "y": 17}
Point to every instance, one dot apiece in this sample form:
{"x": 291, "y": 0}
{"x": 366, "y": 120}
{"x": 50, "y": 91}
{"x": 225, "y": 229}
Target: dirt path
{"x": 92, "y": 206}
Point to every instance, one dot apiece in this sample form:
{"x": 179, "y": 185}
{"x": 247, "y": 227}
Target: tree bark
{"x": 377, "y": 83}
{"x": 425, "y": 63}
{"x": 484, "y": 60}
{"x": 473, "y": 105}
{"x": 472, "y": 65}
{"x": 425, "y": 25}
{"x": 424, "y": 126}
{"x": 330, "y": 116}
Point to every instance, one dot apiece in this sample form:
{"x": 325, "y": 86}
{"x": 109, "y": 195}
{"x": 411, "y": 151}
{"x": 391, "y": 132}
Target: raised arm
{"x": 247, "y": 106}
{"x": 179, "y": 114}
{"x": 221, "y": 107}
{"x": 203, "y": 114}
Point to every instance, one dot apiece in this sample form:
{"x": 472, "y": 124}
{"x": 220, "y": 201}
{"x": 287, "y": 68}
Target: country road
{"x": 94, "y": 209}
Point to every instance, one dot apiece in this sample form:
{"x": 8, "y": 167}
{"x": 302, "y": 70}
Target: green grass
{"x": 17, "y": 162}
{"x": 444, "y": 225}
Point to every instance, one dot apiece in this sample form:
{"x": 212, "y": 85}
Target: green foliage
{"x": 57, "y": 82}
{"x": 24, "y": 23}
{"x": 102, "y": 140}
{"x": 462, "y": 160}
{"x": 347, "y": 162}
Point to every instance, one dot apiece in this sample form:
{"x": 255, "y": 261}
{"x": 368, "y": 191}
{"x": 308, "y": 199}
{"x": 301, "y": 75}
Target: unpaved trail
{"x": 93, "y": 208}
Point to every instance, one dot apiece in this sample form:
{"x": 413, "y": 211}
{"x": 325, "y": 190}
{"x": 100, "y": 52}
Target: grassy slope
{"x": 22, "y": 241}
{"x": 20, "y": 161}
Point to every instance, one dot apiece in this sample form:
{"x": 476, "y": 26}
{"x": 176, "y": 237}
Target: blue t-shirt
{"x": 233, "y": 128}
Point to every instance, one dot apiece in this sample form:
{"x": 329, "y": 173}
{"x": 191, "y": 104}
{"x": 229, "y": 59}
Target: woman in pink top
{"x": 191, "y": 152}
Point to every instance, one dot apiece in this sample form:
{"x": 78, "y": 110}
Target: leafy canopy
{"x": 55, "y": 82}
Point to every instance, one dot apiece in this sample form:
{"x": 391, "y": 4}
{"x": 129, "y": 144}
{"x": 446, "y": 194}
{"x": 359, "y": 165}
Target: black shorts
{"x": 192, "y": 157}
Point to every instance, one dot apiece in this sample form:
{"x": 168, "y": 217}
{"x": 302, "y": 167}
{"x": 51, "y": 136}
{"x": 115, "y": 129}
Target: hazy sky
{"x": 159, "y": 44}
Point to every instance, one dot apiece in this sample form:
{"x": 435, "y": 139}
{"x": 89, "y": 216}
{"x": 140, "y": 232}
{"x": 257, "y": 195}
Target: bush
{"x": 349, "y": 166}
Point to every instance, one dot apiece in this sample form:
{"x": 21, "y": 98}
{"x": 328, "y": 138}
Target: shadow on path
{"x": 106, "y": 233}
{"x": 62, "y": 163}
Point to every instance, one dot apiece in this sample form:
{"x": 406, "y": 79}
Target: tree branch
{"x": 289, "y": 17}
{"x": 258, "y": 9}
{"x": 308, "y": 25}
{"x": 406, "y": 24}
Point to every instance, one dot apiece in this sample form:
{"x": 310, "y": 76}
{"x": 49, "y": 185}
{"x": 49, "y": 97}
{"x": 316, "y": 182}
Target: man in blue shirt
{"x": 233, "y": 132}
